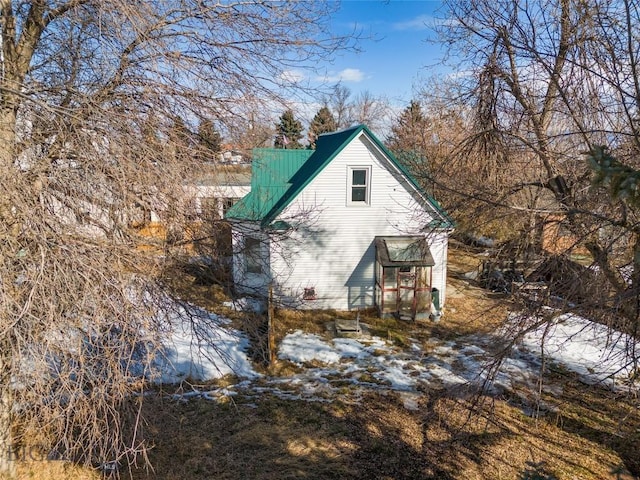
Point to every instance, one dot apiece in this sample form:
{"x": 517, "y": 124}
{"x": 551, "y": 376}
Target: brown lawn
{"x": 591, "y": 434}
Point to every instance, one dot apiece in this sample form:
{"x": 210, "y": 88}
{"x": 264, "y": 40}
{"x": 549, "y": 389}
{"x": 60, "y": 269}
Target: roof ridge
{"x": 343, "y": 130}
{"x": 328, "y": 146}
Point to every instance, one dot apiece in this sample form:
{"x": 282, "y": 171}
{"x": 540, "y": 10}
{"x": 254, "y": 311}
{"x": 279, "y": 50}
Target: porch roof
{"x": 403, "y": 251}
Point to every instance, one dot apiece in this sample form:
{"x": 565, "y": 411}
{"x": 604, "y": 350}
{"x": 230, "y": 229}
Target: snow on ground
{"x": 201, "y": 346}
{"x": 597, "y": 354}
{"x": 246, "y": 304}
{"x": 327, "y": 365}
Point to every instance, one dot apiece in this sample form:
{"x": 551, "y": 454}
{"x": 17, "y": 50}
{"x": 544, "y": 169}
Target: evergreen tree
{"x": 323, "y": 122}
{"x": 179, "y": 133}
{"x": 407, "y": 135}
{"x": 209, "y": 140}
{"x": 412, "y": 142}
{"x": 181, "y": 141}
{"x": 288, "y": 131}
{"x": 622, "y": 180}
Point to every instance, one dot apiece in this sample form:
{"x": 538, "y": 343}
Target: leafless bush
{"x": 98, "y": 102}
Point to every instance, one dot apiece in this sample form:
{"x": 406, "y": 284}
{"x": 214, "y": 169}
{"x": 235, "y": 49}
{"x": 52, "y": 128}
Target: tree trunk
{"x": 7, "y": 452}
{"x": 8, "y": 235}
{"x": 635, "y": 286}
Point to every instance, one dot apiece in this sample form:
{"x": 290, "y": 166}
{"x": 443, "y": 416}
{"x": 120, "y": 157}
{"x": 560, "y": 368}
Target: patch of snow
{"x": 201, "y": 347}
{"x": 593, "y": 351}
{"x": 246, "y": 304}
{"x": 410, "y": 400}
{"x": 473, "y": 275}
{"x": 437, "y": 373}
{"x": 396, "y": 376}
{"x": 302, "y": 347}
{"x": 350, "y": 348}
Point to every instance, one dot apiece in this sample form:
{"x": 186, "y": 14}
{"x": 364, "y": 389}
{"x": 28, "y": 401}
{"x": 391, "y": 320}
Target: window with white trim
{"x": 359, "y": 185}
{"x": 252, "y": 255}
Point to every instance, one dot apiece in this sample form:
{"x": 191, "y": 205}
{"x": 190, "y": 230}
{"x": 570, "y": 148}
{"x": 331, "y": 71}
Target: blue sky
{"x": 394, "y": 52}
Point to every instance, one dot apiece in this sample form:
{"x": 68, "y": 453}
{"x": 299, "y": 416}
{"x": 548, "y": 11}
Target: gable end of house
{"x": 281, "y": 175}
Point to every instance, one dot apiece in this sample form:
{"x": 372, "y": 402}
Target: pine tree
{"x": 288, "y": 131}
{"x": 412, "y": 144}
{"x": 209, "y": 140}
{"x": 407, "y": 135}
{"x": 323, "y": 122}
{"x": 181, "y": 141}
{"x": 179, "y": 133}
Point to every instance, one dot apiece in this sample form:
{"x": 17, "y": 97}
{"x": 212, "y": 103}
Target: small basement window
{"x": 309, "y": 293}
{"x": 359, "y": 181}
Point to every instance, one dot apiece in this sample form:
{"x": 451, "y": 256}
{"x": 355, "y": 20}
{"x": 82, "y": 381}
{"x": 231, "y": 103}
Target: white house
{"x": 218, "y": 190}
{"x": 342, "y": 227}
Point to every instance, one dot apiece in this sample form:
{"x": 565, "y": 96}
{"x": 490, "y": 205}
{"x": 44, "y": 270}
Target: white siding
{"x": 438, "y": 244}
{"x": 332, "y": 247}
{"x": 200, "y": 192}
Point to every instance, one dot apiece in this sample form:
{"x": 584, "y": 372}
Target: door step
{"x": 347, "y": 326}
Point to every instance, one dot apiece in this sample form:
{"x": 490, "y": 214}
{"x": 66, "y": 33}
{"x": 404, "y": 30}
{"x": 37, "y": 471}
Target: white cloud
{"x": 421, "y": 22}
{"x": 292, "y": 76}
{"x": 462, "y": 74}
{"x": 352, "y": 75}
{"x": 347, "y": 75}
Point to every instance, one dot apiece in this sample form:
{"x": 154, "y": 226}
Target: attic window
{"x": 359, "y": 181}
{"x": 309, "y": 293}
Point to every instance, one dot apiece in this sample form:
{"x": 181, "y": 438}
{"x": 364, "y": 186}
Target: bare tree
{"x": 366, "y": 108}
{"x": 338, "y": 102}
{"x": 547, "y": 82}
{"x": 249, "y": 129}
{"x": 89, "y": 90}
{"x": 424, "y": 137}
{"x": 370, "y": 110}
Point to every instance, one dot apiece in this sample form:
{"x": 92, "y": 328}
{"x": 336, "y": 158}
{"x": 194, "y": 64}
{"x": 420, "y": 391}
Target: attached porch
{"x": 403, "y": 278}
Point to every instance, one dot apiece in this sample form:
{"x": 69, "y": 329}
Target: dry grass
{"x": 469, "y": 308}
{"x": 587, "y": 435}
{"x": 378, "y": 438}
{"x": 269, "y": 439}
{"x": 55, "y": 470}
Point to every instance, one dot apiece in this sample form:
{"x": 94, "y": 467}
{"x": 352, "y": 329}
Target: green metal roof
{"x": 271, "y": 171}
{"x": 273, "y": 187}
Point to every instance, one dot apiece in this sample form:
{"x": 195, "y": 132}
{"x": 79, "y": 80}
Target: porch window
{"x": 252, "y": 255}
{"x": 359, "y": 181}
{"x": 227, "y": 203}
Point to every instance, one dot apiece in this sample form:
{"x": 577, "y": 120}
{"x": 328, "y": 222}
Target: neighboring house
{"x": 552, "y": 235}
{"x": 214, "y": 193}
{"x": 342, "y": 227}
{"x": 206, "y": 200}
{"x": 232, "y": 157}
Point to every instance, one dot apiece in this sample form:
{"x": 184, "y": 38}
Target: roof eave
{"x": 289, "y": 196}
{"x": 426, "y": 198}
